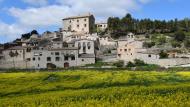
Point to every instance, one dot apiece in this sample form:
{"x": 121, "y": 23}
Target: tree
{"x": 179, "y": 36}
{"x": 148, "y": 44}
{"x": 139, "y": 62}
{"x": 34, "y": 32}
{"x": 130, "y": 64}
{"x": 187, "y": 43}
{"x": 163, "y": 54}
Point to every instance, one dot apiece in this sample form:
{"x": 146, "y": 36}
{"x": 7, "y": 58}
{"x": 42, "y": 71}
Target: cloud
{"x": 36, "y": 2}
{"x": 10, "y": 32}
{"x": 45, "y": 15}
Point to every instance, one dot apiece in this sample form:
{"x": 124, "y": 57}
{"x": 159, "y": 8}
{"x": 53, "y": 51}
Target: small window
{"x": 84, "y": 25}
{"x": 28, "y": 59}
{"x": 57, "y": 58}
{"x": 149, "y": 56}
{"x": 131, "y": 54}
{"x": 56, "y": 53}
{"x": 82, "y": 60}
{"x": 77, "y": 25}
{"x": 51, "y": 53}
{"x": 38, "y": 65}
{"x": 85, "y": 20}
{"x": 73, "y": 58}
{"x": 77, "y": 20}
{"x": 119, "y": 55}
{"x": 66, "y": 58}
{"x": 70, "y": 21}
{"x": 48, "y": 58}
{"x": 34, "y": 59}
{"x": 38, "y": 58}
{"x": 125, "y": 50}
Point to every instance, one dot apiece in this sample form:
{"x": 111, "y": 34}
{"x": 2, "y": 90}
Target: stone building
{"x": 84, "y": 23}
{"x": 101, "y": 26}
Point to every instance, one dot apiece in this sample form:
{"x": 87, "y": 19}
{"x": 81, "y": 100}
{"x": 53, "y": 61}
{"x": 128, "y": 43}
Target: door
{"x": 66, "y": 65}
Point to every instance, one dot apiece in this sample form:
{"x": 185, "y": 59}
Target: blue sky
{"x": 22, "y": 16}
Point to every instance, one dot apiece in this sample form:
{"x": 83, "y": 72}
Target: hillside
{"x": 95, "y": 88}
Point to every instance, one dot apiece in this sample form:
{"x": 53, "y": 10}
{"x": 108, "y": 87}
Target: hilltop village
{"x": 78, "y": 44}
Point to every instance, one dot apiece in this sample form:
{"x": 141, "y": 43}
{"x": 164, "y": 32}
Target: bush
{"x": 163, "y": 55}
{"x": 119, "y": 64}
{"x": 130, "y": 64}
{"x": 179, "y": 36}
{"x": 139, "y": 62}
{"x": 148, "y": 44}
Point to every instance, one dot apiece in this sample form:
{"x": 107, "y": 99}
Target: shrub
{"x": 179, "y": 36}
{"x": 139, "y": 62}
{"x": 130, "y": 64}
{"x": 163, "y": 55}
{"x": 119, "y": 64}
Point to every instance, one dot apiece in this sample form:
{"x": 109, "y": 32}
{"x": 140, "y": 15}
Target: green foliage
{"x": 130, "y": 64}
{"x": 119, "y": 64}
{"x": 161, "y": 40}
{"x": 179, "y": 36}
{"x": 163, "y": 55}
{"x": 175, "y": 44}
{"x": 187, "y": 43}
{"x": 148, "y": 44}
{"x": 139, "y": 62}
{"x": 95, "y": 89}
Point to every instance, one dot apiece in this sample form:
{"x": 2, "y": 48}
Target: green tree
{"x": 179, "y": 36}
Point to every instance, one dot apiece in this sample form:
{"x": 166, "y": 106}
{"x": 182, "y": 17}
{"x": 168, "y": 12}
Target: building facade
{"x": 84, "y": 24}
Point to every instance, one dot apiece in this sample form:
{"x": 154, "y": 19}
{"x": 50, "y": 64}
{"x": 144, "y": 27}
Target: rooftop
{"x": 79, "y": 16}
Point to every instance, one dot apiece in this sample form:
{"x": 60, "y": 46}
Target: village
{"x": 77, "y": 44}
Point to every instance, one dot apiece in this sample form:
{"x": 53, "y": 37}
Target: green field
{"x": 80, "y": 88}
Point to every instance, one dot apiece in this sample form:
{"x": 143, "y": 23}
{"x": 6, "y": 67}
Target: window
{"x": 56, "y": 53}
{"x": 88, "y": 44}
{"x": 82, "y": 60}
{"x": 48, "y": 58}
{"x": 66, "y": 58}
{"x": 85, "y": 20}
{"x": 119, "y": 55}
{"x": 38, "y": 58}
{"x": 79, "y": 45}
{"x": 28, "y": 59}
{"x": 125, "y": 50}
{"x": 57, "y": 58}
{"x": 70, "y": 21}
{"x": 73, "y": 58}
{"x": 77, "y": 25}
{"x": 120, "y": 49}
{"x": 38, "y": 65}
{"x": 77, "y": 20}
{"x": 149, "y": 56}
{"x": 131, "y": 54}
{"x": 51, "y": 53}
{"x": 84, "y": 25}
{"x": 34, "y": 59}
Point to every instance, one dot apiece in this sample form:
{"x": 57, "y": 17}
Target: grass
{"x": 86, "y": 88}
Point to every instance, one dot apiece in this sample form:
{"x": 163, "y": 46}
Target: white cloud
{"x": 51, "y": 15}
{"x": 36, "y": 2}
{"x": 11, "y": 31}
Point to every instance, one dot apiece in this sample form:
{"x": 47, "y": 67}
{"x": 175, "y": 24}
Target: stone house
{"x": 101, "y": 26}
{"x": 81, "y": 23}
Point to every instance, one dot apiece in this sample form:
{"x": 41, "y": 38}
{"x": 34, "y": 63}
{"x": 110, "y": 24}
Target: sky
{"x": 22, "y": 16}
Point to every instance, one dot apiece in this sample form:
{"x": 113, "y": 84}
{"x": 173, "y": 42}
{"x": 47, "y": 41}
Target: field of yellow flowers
{"x": 91, "y": 88}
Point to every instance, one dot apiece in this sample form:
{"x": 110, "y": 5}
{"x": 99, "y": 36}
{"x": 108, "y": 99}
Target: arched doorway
{"x": 51, "y": 66}
{"x": 66, "y": 65}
